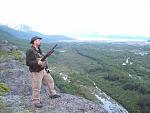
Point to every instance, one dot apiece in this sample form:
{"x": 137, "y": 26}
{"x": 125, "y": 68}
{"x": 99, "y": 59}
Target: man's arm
{"x": 30, "y": 58}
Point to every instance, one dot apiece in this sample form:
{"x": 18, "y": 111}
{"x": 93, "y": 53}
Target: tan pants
{"x": 37, "y": 78}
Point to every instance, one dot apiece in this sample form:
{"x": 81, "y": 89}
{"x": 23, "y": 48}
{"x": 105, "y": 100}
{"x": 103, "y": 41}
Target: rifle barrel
{"x": 48, "y": 53}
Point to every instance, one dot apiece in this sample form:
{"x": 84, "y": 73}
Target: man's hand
{"x": 48, "y": 71}
{"x": 39, "y": 61}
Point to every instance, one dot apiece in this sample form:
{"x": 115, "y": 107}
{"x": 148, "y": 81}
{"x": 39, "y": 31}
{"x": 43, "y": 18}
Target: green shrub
{"x": 145, "y": 104}
{"x": 115, "y": 77}
{"x": 135, "y": 86}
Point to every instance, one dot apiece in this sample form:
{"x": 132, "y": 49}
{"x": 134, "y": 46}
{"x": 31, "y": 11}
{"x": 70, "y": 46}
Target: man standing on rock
{"x": 39, "y": 72}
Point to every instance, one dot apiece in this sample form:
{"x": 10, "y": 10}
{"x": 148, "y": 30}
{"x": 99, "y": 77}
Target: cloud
{"x": 79, "y": 16}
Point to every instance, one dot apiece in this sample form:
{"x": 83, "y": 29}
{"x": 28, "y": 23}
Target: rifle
{"x": 49, "y": 53}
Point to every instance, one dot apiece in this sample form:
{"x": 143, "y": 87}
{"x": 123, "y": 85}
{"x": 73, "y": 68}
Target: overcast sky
{"x": 75, "y": 17}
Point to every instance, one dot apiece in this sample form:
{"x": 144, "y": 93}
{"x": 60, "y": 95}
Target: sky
{"x": 79, "y": 17}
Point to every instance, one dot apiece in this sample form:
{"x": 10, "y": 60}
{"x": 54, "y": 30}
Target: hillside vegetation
{"x": 119, "y": 69}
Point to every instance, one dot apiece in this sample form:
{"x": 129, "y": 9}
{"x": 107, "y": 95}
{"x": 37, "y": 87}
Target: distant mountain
{"x": 114, "y": 37}
{"x": 127, "y": 37}
{"x": 25, "y": 32}
{"x": 23, "y": 28}
{"x": 5, "y": 35}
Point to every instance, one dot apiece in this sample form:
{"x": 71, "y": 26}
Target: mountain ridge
{"x": 25, "y": 32}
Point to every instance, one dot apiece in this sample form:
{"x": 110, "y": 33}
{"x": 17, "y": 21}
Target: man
{"x": 39, "y": 72}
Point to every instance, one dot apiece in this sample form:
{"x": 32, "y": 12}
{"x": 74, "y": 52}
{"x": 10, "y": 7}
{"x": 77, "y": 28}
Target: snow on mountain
{"x": 23, "y": 28}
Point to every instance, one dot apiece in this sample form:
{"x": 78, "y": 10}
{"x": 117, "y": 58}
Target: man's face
{"x": 37, "y": 42}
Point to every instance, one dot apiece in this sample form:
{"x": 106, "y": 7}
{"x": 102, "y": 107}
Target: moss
{"x": 1, "y": 69}
{"x": 53, "y": 112}
{"x": 17, "y": 55}
{"x": 3, "y": 107}
{"x": 10, "y": 70}
{"x": 4, "y": 54}
{"x": 3, "y": 89}
{"x": 25, "y": 111}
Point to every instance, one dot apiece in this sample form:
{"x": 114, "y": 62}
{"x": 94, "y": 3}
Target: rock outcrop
{"x": 15, "y": 74}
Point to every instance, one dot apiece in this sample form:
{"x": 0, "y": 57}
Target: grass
{"x": 3, "y": 89}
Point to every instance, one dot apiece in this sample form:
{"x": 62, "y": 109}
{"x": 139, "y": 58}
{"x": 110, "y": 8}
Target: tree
{"x": 145, "y": 103}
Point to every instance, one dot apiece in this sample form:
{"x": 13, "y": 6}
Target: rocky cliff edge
{"x": 16, "y": 76}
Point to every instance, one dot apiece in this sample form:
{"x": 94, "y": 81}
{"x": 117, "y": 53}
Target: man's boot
{"x": 55, "y": 96}
{"x": 38, "y": 105}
